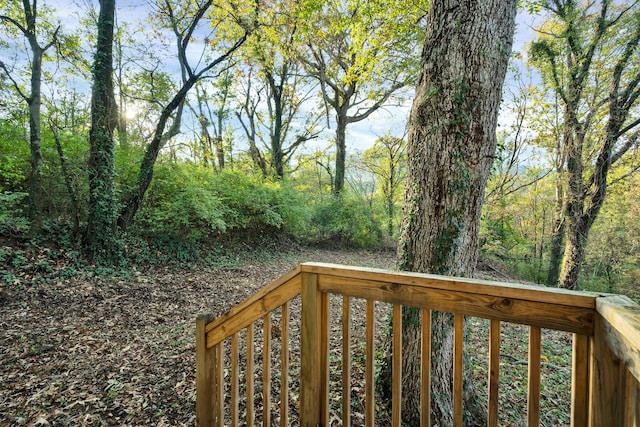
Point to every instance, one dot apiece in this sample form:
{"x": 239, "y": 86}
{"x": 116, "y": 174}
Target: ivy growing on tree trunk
{"x": 101, "y": 238}
{"x": 450, "y": 150}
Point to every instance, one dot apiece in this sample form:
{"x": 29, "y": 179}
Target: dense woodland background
{"x": 160, "y": 158}
{"x": 232, "y": 124}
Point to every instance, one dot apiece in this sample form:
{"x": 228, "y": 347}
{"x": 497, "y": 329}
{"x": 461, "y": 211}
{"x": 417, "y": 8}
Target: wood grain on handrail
{"x": 250, "y": 374}
{"x": 252, "y": 309}
{"x": 580, "y": 381}
{"x": 622, "y": 323}
{"x": 369, "y": 374}
{"x": 235, "y": 392}
{"x": 425, "y": 368}
{"x": 266, "y": 370}
{"x": 475, "y": 286}
{"x": 396, "y": 387}
{"x": 255, "y": 297}
{"x": 458, "y": 368}
{"x": 511, "y": 309}
{"x": 284, "y": 367}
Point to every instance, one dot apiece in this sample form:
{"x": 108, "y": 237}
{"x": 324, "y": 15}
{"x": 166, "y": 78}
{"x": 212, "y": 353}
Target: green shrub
{"x": 344, "y": 221}
{"x": 14, "y": 161}
{"x": 181, "y": 205}
{"x": 253, "y": 203}
{"x": 193, "y": 202}
{"x": 13, "y": 219}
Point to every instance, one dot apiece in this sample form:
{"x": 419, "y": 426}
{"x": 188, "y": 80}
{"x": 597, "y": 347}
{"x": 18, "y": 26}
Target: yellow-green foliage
{"x": 194, "y": 202}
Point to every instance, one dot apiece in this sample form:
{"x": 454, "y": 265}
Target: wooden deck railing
{"x": 605, "y": 361}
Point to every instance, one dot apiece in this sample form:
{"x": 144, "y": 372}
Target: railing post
{"x": 314, "y": 372}
{"x": 205, "y": 385}
{"x": 616, "y": 351}
{"x": 605, "y": 400}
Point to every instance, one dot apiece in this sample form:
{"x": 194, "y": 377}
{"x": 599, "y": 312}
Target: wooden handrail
{"x": 510, "y": 307}
{"x": 606, "y": 343}
{"x": 252, "y": 309}
{"x": 622, "y": 317}
{"x": 473, "y": 286}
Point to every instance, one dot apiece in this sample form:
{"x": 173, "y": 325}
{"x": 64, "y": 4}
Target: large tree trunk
{"x": 451, "y": 148}
{"x": 574, "y": 254}
{"x": 102, "y": 244}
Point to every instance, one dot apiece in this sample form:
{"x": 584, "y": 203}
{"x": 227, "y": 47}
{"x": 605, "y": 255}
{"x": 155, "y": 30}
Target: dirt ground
{"x": 80, "y": 348}
{"x": 87, "y": 347}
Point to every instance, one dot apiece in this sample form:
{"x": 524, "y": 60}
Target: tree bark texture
{"x": 35, "y": 137}
{"x": 590, "y": 31}
{"x": 555, "y": 253}
{"x": 173, "y": 110}
{"x": 451, "y": 148}
{"x": 34, "y": 101}
{"x": 559, "y": 230}
{"x": 341, "y": 150}
{"x": 101, "y": 227}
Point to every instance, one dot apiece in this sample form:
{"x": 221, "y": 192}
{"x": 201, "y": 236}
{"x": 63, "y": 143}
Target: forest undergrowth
{"x": 86, "y": 346}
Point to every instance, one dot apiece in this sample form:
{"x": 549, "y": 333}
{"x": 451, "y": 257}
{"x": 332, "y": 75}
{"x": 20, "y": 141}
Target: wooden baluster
{"x": 266, "y": 371}
{"x": 205, "y": 373}
{"x": 250, "y": 374}
{"x": 346, "y": 361}
{"x": 637, "y": 405}
{"x": 630, "y": 399}
{"x": 533, "y": 393}
{"x": 220, "y": 382}
{"x": 234, "y": 380}
{"x": 369, "y": 374}
{"x": 580, "y": 381}
{"x": 284, "y": 367}
{"x": 324, "y": 358}
{"x": 425, "y": 370}
{"x": 494, "y": 372}
{"x": 396, "y": 387}
{"x": 458, "y": 368}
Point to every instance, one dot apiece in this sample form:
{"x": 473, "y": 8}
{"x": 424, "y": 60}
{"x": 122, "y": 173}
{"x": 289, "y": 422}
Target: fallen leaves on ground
{"x": 82, "y": 349}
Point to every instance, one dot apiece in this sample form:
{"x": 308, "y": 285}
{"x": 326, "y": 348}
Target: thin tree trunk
{"x": 555, "y": 254}
{"x": 64, "y": 167}
{"x": 450, "y": 151}
{"x": 35, "y": 140}
{"x": 391, "y": 212}
{"x": 34, "y": 100}
{"x": 145, "y": 175}
{"x": 341, "y": 154}
{"x": 220, "y": 152}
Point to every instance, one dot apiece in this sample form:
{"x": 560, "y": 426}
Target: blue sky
{"x": 389, "y": 120}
